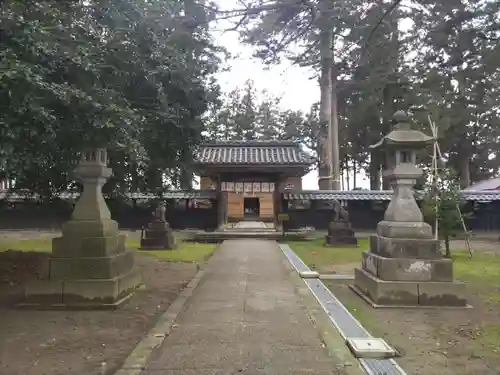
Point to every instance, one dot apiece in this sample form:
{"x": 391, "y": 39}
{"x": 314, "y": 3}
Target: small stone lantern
{"x": 404, "y": 266}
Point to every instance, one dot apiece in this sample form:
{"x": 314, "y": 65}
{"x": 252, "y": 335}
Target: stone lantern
{"x": 401, "y": 146}
{"x": 404, "y": 265}
{"x": 90, "y": 266}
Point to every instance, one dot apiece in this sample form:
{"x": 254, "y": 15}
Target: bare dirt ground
{"x": 82, "y": 342}
{"x": 440, "y": 342}
{"x": 437, "y": 341}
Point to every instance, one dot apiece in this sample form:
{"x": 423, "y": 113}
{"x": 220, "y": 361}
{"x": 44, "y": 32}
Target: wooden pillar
{"x": 220, "y": 201}
{"x": 221, "y": 208}
{"x": 277, "y": 202}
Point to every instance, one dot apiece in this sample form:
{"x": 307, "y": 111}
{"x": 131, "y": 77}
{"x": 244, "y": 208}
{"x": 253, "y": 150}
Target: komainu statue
{"x": 339, "y": 229}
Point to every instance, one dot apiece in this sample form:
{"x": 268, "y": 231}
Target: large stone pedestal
{"x": 340, "y": 233}
{"x": 158, "y": 236}
{"x": 383, "y": 293}
{"x": 89, "y": 267}
{"x": 407, "y": 272}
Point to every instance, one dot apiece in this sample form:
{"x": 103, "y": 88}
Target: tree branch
{"x": 377, "y": 25}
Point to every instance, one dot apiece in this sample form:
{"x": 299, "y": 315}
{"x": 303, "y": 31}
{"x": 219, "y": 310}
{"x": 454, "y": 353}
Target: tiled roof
{"x": 384, "y": 195}
{"x": 491, "y": 184}
{"x": 340, "y": 195}
{"x": 178, "y": 194}
{"x": 173, "y": 194}
{"x": 253, "y": 152}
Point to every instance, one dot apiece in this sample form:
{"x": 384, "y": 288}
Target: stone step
{"x": 224, "y": 235}
{"x": 249, "y": 230}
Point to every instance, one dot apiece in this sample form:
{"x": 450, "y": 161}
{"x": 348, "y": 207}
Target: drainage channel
{"x": 297, "y": 263}
{"x": 341, "y": 318}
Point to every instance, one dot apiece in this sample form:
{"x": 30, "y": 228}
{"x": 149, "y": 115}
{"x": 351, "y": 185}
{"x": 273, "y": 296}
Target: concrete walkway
{"x": 250, "y": 225}
{"x": 244, "y": 318}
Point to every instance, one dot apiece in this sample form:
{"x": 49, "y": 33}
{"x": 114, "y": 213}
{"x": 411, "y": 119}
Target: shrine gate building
{"x": 249, "y": 177}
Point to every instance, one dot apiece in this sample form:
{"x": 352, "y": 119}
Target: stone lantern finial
{"x": 401, "y": 120}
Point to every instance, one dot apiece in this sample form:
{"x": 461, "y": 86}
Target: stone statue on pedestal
{"x": 340, "y": 212}
{"x": 404, "y": 265}
{"x": 159, "y": 213}
{"x": 340, "y": 232}
{"x": 158, "y": 235}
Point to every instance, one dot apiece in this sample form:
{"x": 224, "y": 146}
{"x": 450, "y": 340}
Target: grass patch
{"x": 188, "y": 252}
{"x": 493, "y": 297}
{"x": 185, "y": 252}
{"x": 481, "y": 272}
{"x": 482, "y": 267}
{"x": 43, "y": 245}
{"x": 317, "y": 256}
{"x": 489, "y": 338}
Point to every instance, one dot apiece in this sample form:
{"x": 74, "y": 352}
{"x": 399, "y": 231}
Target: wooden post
{"x": 277, "y": 202}
{"x": 221, "y": 201}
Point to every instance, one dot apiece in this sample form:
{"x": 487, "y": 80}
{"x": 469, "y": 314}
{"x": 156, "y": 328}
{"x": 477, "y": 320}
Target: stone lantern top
{"x": 402, "y": 135}
{"x": 93, "y": 166}
{"x": 97, "y": 156}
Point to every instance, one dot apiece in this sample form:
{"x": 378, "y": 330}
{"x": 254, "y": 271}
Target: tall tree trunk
{"x": 334, "y": 139}
{"x": 325, "y": 114}
{"x": 186, "y": 179}
{"x": 354, "y": 172}
{"x": 153, "y": 178}
{"x": 191, "y": 11}
{"x": 375, "y": 175}
{"x": 186, "y": 174}
{"x": 134, "y": 176}
{"x": 347, "y": 174}
{"x": 389, "y": 92}
{"x": 464, "y": 149}
{"x": 464, "y": 164}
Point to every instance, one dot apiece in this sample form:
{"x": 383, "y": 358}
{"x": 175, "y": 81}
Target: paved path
{"x": 250, "y": 225}
{"x": 244, "y": 318}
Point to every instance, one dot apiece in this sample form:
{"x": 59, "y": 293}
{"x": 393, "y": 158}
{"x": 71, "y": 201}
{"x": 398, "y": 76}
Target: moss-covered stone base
{"x": 89, "y": 268}
{"x": 382, "y": 293}
{"x": 80, "y": 294}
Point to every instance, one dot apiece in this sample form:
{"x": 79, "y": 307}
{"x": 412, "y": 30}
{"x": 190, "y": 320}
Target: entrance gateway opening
{"x": 251, "y": 207}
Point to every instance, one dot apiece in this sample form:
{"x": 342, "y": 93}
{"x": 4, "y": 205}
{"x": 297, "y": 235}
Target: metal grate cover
{"x": 341, "y": 318}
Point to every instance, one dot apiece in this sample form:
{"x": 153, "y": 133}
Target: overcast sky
{"x": 293, "y": 84}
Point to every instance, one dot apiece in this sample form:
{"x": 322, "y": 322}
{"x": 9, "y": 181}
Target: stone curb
{"x": 333, "y": 341}
{"x": 137, "y": 360}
